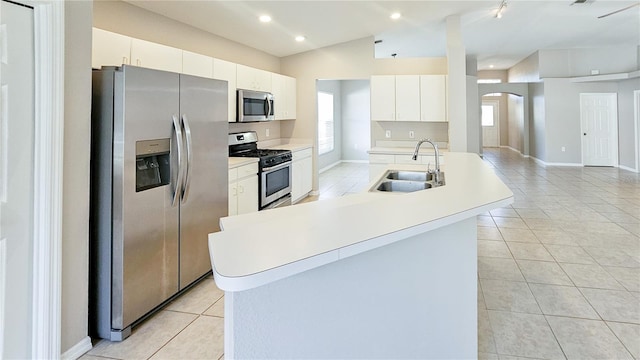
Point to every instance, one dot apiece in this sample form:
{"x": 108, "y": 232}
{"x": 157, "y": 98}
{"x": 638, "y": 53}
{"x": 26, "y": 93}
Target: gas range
{"x": 274, "y": 168}
{"x": 268, "y": 157}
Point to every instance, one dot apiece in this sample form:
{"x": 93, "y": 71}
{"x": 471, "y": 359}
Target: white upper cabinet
{"x": 155, "y": 56}
{"x": 407, "y": 98}
{"x": 433, "y": 97}
{"x": 253, "y": 79}
{"x": 283, "y": 89}
{"x": 197, "y": 64}
{"x": 110, "y": 49}
{"x": 383, "y": 98}
{"x": 225, "y": 70}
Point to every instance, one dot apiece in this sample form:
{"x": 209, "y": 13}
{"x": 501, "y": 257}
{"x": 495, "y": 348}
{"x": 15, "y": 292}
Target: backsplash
{"x": 436, "y": 131}
{"x": 262, "y": 128}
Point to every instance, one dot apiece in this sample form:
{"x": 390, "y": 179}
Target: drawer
{"x": 247, "y": 170}
{"x": 233, "y": 175}
{"x": 381, "y": 159}
{"x": 301, "y": 154}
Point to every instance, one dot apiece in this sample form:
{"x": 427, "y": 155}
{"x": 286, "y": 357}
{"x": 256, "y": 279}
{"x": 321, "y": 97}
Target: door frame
{"x": 613, "y": 127}
{"x": 636, "y": 127}
{"x": 48, "y": 170}
{"x": 496, "y": 115}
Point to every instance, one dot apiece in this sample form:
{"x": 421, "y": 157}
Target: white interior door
{"x": 16, "y": 178}
{"x": 599, "y": 123}
{"x": 490, "y": 124}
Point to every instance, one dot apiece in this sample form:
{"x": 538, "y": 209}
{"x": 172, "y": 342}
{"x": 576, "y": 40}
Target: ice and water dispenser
{"x": 152, "y": 164}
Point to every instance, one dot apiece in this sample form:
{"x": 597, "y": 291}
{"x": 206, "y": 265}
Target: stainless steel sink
{"x": 402, "y": 186}
{"x": 409, "y": 175}
{"x": 402, "y": 181}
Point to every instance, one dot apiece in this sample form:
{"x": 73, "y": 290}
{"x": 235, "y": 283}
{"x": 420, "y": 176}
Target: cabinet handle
{"x": 138, "y": 62}
{"x": 125, "y": 60}
{"x": 241, "y": 189}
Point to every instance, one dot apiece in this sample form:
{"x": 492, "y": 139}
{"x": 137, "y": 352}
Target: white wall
{"x": 527, "y": 70}
{"x": 333, "y": 87}
{"x": 356, "y": 119}
{"x": 537, "y": 131}
{"x": 580, "y": 62}
{"x": 562, "y": 117}
{"x": 626, "y": 127}
{"x": 516, "y": 122}
{"x": 77, "y": 130}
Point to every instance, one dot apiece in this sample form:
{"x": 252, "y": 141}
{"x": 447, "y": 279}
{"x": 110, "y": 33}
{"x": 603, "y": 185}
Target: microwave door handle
{"x": 270, "y": 102}
{"x": 178, "y": 183}
{"x": 189, "y": 147}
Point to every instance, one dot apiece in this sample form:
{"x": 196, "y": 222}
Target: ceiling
{"x": 526, "y": 26}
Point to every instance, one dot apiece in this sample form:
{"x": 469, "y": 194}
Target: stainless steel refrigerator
{"x": 158, "y": 187}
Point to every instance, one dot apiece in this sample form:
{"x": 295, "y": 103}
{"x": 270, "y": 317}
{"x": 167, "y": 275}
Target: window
{"x": 325, "y": 122}
{"x": 490, "y": 81}
{"x": 487, "y": 115}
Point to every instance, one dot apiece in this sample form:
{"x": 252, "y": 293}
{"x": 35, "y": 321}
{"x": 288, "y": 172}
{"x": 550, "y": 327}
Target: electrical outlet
{"x": 267, "y": 133}
{"x": 387, "y": 134}
{"x": 563, "y": 149}
{"x": 411, "y": 134}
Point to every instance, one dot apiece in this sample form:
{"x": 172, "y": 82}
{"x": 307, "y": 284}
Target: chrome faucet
{"x": 436, "y": 173}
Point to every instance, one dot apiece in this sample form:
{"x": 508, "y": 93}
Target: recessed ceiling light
{"x": 490, "y": 66}
{"x": 395, "y": 16}
{"x": 265, "y": 18}
{"x": 300, "y": 38}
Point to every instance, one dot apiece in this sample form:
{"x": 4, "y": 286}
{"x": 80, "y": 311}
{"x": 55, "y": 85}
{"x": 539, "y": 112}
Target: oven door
{"x": 275, "y": 182}
{"x": 254, "y": 106}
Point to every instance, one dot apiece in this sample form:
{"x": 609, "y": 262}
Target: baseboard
{"x": 628, "y": 168}
{"x": 329, "y": 167}
{"x": 77, "y": 350}
{"x": 355, "y": 161}
{"x": 510, "y": 148}
{"x": 539, "y": 161}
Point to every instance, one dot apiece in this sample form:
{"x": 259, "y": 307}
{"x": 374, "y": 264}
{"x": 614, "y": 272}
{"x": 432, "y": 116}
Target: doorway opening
{"x": 490, "y": 121}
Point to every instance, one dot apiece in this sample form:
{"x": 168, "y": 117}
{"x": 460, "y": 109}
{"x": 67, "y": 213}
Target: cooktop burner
{"x": 261, "y": 152}
{"x": 246, "y": 145}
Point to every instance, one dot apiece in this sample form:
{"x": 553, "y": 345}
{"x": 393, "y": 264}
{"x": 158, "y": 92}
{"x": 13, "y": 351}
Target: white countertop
{"x": 292, "y": 147}
{"x": 259, "y": 248}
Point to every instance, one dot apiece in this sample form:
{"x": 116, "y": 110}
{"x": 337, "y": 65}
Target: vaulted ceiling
{"x": 526, "y": 26}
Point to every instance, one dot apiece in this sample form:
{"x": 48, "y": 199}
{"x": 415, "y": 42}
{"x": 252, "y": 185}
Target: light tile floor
{"x": 558, "y": 271}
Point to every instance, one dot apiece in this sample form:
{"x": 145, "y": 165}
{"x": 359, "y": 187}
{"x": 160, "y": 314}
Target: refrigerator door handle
{"x": 178, "y": 185}
{"x": 189, "y": 146}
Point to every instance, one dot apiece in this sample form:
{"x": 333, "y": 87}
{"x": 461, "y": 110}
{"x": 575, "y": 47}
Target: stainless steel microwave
{"x": 254, "y": 106}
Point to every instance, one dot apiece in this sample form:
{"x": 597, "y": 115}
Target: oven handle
{"x": 277, "y": 167}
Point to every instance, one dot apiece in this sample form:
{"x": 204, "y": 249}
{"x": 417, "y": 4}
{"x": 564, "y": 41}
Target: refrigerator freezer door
{"x": 203, "y": 110}
{"x": 145, "y": 239}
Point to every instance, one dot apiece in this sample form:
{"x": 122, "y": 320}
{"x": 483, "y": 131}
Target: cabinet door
{"x": 407, "y": 98}
{"x": 290, "y": 93}
{"x": 297, "y": 169}
{"x": 307, "y": 175}
{"x": 433, "y": 98}
{"x": 233, "y": 198}
{"x": 383, "y": 98}
{"x": 253, "y": 79}
{"x": 248, "y": 195}
{"x": 155, "y": 56}
{"x": 109, "y": 49}
{"x": 197, "y": 64}
{"x": 225, "y": 70}
{"x": 279, "y": 97}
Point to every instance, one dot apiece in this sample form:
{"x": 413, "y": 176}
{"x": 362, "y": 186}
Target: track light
{"x": 503, "y": 6}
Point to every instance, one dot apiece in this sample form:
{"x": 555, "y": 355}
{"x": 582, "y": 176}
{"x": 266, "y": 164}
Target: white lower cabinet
{"x": 243, "y": 189}
{"x": 302, "y": 174}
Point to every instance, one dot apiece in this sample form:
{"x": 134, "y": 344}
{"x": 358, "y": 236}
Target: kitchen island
{"x": 373, "y": 275}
